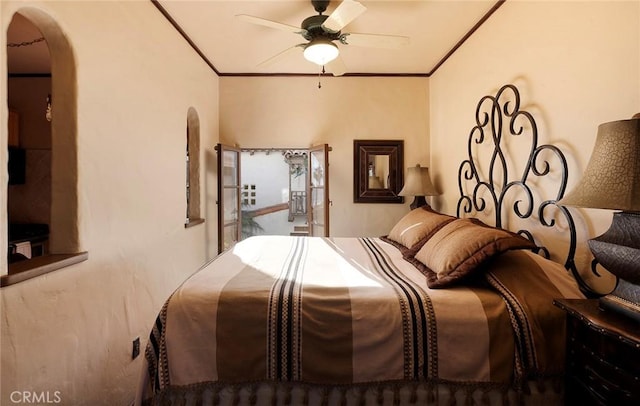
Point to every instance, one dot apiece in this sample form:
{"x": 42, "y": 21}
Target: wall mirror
{"x": 377, "y": 171}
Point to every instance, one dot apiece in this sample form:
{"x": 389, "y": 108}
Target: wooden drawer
{"x": 603, "y": 365}
{"x": 602, "y": 371}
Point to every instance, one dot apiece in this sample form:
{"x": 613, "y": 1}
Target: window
{"x": 229, "y": 192}
{"x": 248, "y": 195}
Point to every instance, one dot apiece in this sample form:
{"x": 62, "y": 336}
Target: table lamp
{"x": 612, "y": 181}
{"x": 418, "y": 184}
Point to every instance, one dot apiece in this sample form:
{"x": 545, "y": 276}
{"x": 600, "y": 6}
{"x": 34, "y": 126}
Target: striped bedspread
{"x": 352, "y": 311}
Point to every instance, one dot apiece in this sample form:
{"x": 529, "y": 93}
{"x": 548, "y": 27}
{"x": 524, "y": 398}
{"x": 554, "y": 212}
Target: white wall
{"x": 576, "y": 63}
{"x": 292, "y": 112}
{"x": 270, "y": 174}
{"x": 71, "y": 330}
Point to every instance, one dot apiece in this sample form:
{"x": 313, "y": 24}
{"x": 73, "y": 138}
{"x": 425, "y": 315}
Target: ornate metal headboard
{"x": 497, "y": 117}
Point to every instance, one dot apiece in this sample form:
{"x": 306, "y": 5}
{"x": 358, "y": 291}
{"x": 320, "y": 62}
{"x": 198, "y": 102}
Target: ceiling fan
{"x": 322, "y": 32}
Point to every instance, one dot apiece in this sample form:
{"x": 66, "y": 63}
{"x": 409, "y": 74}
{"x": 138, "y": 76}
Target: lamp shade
{"x": 612, "y": 178}
{"x": 418, "y": 183}
{"x": 321, "y": 51}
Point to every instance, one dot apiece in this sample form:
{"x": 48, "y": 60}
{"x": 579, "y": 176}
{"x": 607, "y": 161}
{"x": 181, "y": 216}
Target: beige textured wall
{"x": 577, "y": 64}
{"x": 292, "y": 112}
{"x": 71, "y": 331}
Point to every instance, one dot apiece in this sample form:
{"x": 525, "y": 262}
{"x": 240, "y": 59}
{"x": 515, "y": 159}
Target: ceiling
{"x": 232, "y": 46}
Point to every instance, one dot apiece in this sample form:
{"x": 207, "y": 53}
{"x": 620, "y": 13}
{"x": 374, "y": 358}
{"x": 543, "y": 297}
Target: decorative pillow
{"x": 459, "y": 249}
{"x": 415, "y": 227}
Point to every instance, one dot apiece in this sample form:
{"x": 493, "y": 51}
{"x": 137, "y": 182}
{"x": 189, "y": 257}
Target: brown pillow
{"x": 459, "y": 248}
{"x": 415, "y": 226}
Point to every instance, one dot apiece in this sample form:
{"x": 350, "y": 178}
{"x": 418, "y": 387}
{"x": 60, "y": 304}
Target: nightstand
{"x": 602, "y": 357}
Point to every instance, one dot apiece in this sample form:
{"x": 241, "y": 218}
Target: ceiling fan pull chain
{"x": 320, "y": 77}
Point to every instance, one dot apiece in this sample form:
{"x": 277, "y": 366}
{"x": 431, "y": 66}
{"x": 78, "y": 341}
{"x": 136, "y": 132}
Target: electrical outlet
{"x": 136, "y": 348}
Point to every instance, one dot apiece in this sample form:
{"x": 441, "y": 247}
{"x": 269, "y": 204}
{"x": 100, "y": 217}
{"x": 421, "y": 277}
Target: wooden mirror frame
{"x": 362, "y": 150}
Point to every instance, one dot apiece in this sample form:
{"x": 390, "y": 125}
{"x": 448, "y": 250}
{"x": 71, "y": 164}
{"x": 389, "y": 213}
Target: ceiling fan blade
{"x": 271, "y": 24}
{"x": 346, "y": 12}
{"x": 280, "y": 55}
{"x": 337, "y": 67}
{"x": 374, "y": 40}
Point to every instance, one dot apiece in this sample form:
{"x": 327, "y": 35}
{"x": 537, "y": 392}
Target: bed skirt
{"x": 547, "y": 392}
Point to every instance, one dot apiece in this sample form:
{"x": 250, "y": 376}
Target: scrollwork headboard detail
{"x": 496, "y": 118}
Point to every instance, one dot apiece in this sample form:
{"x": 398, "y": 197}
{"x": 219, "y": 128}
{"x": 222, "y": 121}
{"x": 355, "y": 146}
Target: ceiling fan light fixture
{"x": 321, "y": 51}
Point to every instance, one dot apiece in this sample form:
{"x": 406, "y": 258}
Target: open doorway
{"x": 274, "y": 191}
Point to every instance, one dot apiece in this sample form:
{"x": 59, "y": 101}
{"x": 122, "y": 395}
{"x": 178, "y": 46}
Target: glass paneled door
{"x": 318, "y": 196}
{"x": 229, "y": 213}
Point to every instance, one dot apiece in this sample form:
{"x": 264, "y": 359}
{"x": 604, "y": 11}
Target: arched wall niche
{"x": 193, "y": 145}
{"x": 64, "y": 235}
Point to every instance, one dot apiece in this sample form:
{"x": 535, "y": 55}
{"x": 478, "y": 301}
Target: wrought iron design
{"x": 492, "y": 115}
{"x": 297, "y": 204}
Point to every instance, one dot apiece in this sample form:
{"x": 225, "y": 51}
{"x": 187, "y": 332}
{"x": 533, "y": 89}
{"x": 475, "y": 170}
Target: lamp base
{"x": 418, "y": 201}
{"x": 625, "y": 299}
{"x": 618, "y": 249}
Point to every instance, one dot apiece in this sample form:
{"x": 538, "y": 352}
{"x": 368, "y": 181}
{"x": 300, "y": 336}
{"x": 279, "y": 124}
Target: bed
{"x": 441, "y": 310}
